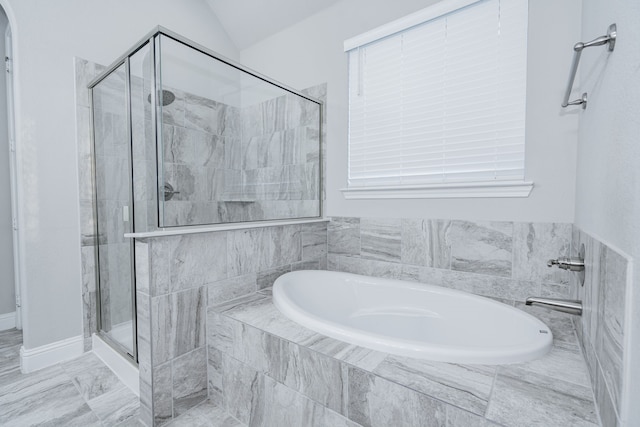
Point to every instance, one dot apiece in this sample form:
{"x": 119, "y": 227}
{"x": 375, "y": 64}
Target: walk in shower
{"x": 185, "y": 138}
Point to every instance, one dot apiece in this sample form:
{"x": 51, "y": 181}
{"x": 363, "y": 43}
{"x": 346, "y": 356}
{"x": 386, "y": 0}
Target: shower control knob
{"x": 169, "y": 192}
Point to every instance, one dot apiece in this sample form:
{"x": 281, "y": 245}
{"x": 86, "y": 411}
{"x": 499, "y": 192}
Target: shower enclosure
{"x": 183, "y": 137}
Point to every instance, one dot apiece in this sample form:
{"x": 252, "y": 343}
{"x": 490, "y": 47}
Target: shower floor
{"x": 122, "y": 333}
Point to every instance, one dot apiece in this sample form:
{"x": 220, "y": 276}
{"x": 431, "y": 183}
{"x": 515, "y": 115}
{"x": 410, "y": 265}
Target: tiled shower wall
{"x": 240, "y": 164}
{"x": 279, "y": 157}
{"x": 84, "y": 72}
{"x": 178, "y": 277}
{"x": 191, "y": 120}
{"x": 197, "y": 135}
{"x": 504, "y": 260}
{"x": 601, "y": 326}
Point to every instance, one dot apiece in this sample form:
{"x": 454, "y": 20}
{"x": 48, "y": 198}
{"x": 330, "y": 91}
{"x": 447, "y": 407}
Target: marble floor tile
{"x": 10, "y": 338}
{"x": 46, "y": 397}
{"x": 51, "y": 397}
{"x": 116, "y": 406}
{"x": 91, "y": 376}
{"x": 9, "y": 359}
{"x": 207, "y": 414}
{"x": 458, "y": 418}
{"x": 131, "y": 422}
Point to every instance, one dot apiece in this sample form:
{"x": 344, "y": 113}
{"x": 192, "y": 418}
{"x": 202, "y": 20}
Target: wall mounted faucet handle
{"x": 566, "y": 263}
{"x": 169, "y": 192}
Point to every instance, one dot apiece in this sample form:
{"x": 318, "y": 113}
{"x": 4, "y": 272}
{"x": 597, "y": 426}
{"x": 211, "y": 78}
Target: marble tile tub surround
{"x": 601, "y": 327}
{"x": 269, "y": 371}
{"x": 506, "y": 260}
{"x": 179, "y": 276}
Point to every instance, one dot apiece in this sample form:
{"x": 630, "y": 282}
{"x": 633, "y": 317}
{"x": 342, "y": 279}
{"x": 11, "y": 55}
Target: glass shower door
{"x": 116, "y": 320}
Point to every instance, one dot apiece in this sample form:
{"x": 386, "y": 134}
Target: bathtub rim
{"x": 411, "y": 348}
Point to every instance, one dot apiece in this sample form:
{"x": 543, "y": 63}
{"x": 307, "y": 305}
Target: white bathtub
{"x": 411, "y": 319}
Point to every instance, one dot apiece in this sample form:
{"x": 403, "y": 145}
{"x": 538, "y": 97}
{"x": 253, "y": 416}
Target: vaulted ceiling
{"x": 249, "y": 21}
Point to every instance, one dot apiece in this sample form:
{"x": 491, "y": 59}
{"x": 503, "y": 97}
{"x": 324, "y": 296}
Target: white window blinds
{"x": 442, "y": 101}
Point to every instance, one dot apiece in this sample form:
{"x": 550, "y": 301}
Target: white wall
{"x": 47, "y": 37}
{"x": 608, "y": 175}
{"x": 7, "y": 288}
{"x": 311, "y": 52}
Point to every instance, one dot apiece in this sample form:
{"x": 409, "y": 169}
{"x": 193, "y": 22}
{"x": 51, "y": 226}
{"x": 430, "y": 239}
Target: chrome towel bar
{"x": 609, "y": 39}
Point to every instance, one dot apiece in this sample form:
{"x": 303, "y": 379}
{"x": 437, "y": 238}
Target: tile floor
{"x": 82, "y": 392}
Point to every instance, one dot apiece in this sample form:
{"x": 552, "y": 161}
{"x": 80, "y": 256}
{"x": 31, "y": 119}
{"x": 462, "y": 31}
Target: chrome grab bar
{"x": 609, "y": 39}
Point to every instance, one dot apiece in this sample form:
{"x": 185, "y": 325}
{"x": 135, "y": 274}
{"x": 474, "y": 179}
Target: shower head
{"x": 167, "y": 97}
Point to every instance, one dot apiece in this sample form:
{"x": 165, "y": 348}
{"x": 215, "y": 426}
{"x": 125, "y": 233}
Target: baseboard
{"x": 124, "y": 369}
{"x": 47, "y": 355}
{"x": 7, "y": 321}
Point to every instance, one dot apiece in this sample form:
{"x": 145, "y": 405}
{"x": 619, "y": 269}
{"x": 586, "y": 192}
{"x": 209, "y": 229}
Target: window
{"x": 437, "y": 103}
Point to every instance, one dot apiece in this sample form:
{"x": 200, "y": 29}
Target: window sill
{"x": 499, "y": 189}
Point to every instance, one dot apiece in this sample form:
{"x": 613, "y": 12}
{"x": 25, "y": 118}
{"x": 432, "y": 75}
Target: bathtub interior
{"x": 411, "y": 319}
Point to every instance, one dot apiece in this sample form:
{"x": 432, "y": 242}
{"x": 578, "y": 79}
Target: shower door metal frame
{"x": 153, "y": 40}
{"x": 133, "y": 358}
{"x": 152, "y": 37}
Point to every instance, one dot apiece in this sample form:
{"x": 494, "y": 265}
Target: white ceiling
{"x": 249, "y": 21}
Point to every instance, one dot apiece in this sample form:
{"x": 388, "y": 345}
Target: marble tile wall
{"x": 85, "y": 71}
{"x": 601, "y": 326}
{"x": 198, "y": 135}
{"x": 269, "y": 371}
{"x": 231, "y": 165}
{"x": 504, "y": 260}
{"x": 179, "y": 277}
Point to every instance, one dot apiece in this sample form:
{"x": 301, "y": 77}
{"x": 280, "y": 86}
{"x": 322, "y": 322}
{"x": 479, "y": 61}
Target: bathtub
{"x": 411, "y": 319}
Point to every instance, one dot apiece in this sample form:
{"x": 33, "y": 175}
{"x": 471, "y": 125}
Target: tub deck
{"x": 268, "y": 370}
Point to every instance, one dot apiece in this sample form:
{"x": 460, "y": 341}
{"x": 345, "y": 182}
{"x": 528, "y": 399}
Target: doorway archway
{"x": 10, "y": 266}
